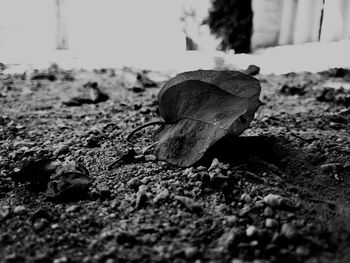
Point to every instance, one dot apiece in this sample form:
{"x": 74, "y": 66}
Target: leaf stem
{"x": 152, "y": 123}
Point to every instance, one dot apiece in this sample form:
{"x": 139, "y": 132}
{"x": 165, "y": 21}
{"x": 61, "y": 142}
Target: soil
{"x": 279, "y": 193}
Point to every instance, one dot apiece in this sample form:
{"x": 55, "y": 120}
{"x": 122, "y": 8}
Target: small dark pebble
{"x": 126, "y": 238}
{"x": 293, "y": 90}
{"x": 134, "y": 183}
{"x": 141, "y": 200}
{"x": 41, "y": 213}
{"x": 137, "y": 89}
{"x": 43, "y": 76}
{"x": 145, "y": 81}
{"x": 252, "y": 70}
{"x": 326, "y": 95}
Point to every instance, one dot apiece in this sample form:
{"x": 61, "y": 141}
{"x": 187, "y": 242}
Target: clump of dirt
{"x": 279, "y": 193}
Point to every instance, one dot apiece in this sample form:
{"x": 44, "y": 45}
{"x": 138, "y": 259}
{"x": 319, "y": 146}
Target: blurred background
{"x": 278, "y": 35}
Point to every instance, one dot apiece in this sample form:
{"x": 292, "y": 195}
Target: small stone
{"x": 302, "y": 251}
{"x": 150, "y": 158}
{"x": 189, "y": 203}
{"x": 345, "y": 111}
{"x": 145, "y": 180}
{"x": 229, "y": 239}
{"x": 41, "y": 257}
{"x": 71, "y": 209}
{"x": 293, "y": 90}
{"x": 245, "y": 210}
{"x": 271, "y": 223}
{"x": 161, "y": 196}
{"x": 326, "y": 94}
{"x": 252, "y": 70}
{"x": 201, "y": 168}
{"x": 190, "y": 252}
{"x": 300, "y": 223}
{"x": 141, "y": 199}
{"x": 288, "y": 230}
{"x": 245, "y": 197}
{"x": 330, "y": 167}
{"x": 139, "y": 157}
{"x": 41, "y": 213}
{"x": 251, "y": 231}
{"x": 214, "y": 173}
{"x": 106, "y": 234}
{"x": 187, "y": 171}
{"x": 142, "y": 188}
{"x": 24, "y": 149}
{"x": 268, "y": 212}
{"x": 2, "y": 66}
{"x": 61, "y": 150}
{"x": 134, "y": 183}
{"x": 231, "y": 220}
{"x": 214, "y": 164}
{"x": 55, "y": 226}
{"x": 221, "y": 208}
{"x": 63, "y": 259}
{"x": 254, "y": 243}
{"x": 40, "y": 224}
{"x": 4, "y": 212}
{"x": 19, "y": 209}
{"x": 273, "y": 200}
{"x": 193, "y": 177}
{"x": 260, "y": 261}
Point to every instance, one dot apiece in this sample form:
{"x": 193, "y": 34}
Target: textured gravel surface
{"x": 279, "y": 193}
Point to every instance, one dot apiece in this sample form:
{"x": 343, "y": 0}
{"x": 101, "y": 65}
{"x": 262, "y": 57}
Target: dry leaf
{"x": 61, "y": 181}
{"x": 70, "y": 182}
{"x": 199, "y": 108}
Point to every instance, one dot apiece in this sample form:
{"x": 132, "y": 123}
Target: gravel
{"x": 277, "y": 194}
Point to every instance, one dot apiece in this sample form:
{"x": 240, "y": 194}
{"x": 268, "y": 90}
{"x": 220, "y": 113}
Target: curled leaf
{"x": 201, "y": 107}
{"x": 37, "y": 172}
{"x": 61, "y": 181}
{"x": 70, "y": 182}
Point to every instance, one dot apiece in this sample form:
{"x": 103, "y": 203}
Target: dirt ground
{"x": 280, "y": 193}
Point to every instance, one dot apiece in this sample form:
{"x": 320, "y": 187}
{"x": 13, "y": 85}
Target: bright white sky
{"x": 93, "y": 24}
{"x": 140, "y": 33}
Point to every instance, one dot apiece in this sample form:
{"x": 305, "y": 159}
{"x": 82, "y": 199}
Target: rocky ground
{"x": 279, "y": 193}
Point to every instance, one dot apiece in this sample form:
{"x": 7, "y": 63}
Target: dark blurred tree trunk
{"x": 232, "y": 21}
